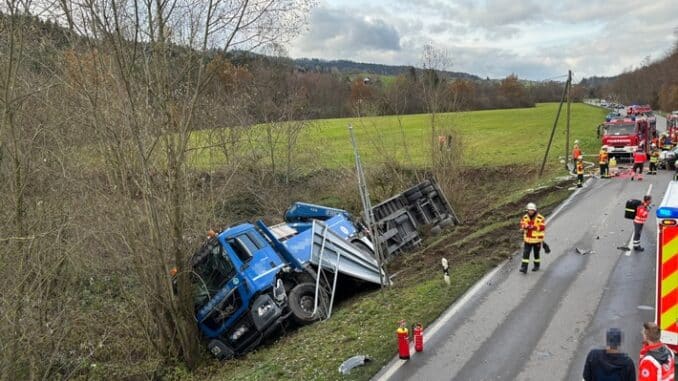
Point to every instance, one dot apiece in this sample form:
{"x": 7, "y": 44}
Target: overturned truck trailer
{"x": 401, "y": 218}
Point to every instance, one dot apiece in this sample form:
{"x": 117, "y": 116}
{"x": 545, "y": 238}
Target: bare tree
{"x": 155, "y": 54}
{"x": 434, "y": 61}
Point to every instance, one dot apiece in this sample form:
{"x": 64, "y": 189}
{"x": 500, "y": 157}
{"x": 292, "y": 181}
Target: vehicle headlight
{"x": 264, "y": 309}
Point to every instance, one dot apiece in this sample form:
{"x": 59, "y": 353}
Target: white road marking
{"x": 444, "y": 319}
{"x": 630, "y": 246}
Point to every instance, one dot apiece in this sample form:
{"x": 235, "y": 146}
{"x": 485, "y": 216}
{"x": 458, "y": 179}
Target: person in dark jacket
{"x": 609, "y": 364}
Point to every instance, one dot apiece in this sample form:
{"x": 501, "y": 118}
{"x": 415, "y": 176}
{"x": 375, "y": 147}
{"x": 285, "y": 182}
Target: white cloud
{"x": 532, "y": 38}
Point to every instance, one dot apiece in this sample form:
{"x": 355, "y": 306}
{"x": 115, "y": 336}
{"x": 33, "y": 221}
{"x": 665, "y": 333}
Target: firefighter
{"x": 655, "y": 140}
{"x": 654, "y": 160}
{"x": 667, "y": 144}
{"x": 580, "y": 171}
{"x": 639, "y": 158}
{"x": 642, "y": 212}
{"x": 603, "y": 160}
{"x": 657, "y": 361}
{"x": 533, "y": 226}
{"x": 613, "y": 166}
{"x": 576, "y": 152}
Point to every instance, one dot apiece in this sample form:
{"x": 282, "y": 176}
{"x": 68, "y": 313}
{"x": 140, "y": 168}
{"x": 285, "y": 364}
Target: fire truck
{"x": 667, "y": 267}
{"x": 623, "y": 136}
{"x": 642, "y": 111}
{"x": 672, "y": 125}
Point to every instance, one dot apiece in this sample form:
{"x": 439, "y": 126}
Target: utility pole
{"x": 567, "y": 133}
{"x": 367, "y": 209}
{"x": 555, "y": 123}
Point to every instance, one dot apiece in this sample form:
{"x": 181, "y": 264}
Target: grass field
{"x": 491, "y": 137}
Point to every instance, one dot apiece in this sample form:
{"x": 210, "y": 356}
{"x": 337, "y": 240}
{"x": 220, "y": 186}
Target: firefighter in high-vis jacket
{"x": 642, "y": 212}
{"x": 580, "y": 171}
{"x": 654, "y": 160}
{"x": 533, "y": 226}
{"x": 603, "y": 160}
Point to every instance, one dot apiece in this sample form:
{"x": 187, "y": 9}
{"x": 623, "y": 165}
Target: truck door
{"x": 260, "y": 262}
{"x": 667, "y": 281}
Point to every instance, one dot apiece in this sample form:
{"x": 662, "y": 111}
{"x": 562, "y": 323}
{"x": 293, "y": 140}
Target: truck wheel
{"x": 427, "y": 189}
{"x": 302, "y": 299}
{"x": 446, "y": 222}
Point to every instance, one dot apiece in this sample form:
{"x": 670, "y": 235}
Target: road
{"x": 541, "y": 325}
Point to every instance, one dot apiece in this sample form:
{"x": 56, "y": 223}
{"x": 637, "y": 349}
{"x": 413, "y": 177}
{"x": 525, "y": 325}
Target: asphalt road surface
{"x": 541, "y": 325}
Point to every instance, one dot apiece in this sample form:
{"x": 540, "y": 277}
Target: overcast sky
{"x": 533, "y": 39}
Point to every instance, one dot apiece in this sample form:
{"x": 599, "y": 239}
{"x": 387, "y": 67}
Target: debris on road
{"x": 353, "y": 362}
{"x": 583, "y": 251}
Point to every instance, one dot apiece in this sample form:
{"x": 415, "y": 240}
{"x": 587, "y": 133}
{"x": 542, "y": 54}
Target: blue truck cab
{"x": 251, "y": 279}
{"x": 238, "y": 295}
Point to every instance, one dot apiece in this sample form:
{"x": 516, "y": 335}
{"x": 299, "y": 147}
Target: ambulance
{"x": 667, "y": 267}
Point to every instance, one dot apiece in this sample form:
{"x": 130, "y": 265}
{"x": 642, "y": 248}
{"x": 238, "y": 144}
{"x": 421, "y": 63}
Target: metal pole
{"x": 553, "y": 131}
{"x": 367, "y": 207}
{"x": 567, "y": 131}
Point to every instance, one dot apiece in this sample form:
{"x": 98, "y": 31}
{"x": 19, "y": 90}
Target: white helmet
{"x": 531, "y": 206}
{"x": 576, "y": 142}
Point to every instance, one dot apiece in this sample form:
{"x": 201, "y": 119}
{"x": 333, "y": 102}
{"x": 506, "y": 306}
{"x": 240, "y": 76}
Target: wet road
{"x": 541, "y": 325}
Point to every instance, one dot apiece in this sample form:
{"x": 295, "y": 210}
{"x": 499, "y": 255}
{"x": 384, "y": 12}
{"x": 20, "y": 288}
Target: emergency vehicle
{"x": 667, "y": 267}
{"x": 623, "y": 136}
{"x": 672, "y": 125}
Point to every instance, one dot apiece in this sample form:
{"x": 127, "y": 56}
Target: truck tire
{"x": 446, "y": 222}
{"x": 427, "y": 189}
{"x": 301, "y": 301}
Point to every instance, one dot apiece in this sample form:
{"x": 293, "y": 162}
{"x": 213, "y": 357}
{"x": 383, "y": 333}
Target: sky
{"x": 535, "y": 40}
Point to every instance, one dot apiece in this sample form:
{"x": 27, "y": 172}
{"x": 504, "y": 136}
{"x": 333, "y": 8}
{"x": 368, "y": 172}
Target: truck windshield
{"x": 211, "y": 270}
{"x": 619, "y": 129}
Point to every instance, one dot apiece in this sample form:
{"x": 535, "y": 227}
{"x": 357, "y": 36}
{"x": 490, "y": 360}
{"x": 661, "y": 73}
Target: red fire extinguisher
{"x": 403, "y": 341}
{"x": 418, "y": 337}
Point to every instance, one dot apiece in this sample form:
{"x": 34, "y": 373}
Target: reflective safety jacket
{"x": 580, "y": 167}
{"x": 656, "y": 363}
{"x": 641, "y": 214}
{"x": 533, "y": 228}
{"x": 639, "y": 157}
{"x": 654, "y": 157}
{"x": 602, "y": 157}
{"x": 576, "y": 152}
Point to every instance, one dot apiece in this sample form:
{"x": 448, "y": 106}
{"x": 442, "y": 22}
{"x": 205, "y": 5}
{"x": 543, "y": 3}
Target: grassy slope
{"x": 491, "y": 137}
{"x": 366, "y": 323}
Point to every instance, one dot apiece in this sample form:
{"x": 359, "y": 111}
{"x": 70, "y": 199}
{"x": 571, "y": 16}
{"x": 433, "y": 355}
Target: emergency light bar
{"x": 667, "y": 212}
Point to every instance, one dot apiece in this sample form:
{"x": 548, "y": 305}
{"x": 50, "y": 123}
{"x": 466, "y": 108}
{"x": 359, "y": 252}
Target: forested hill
{"x": 352, "y": 67}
